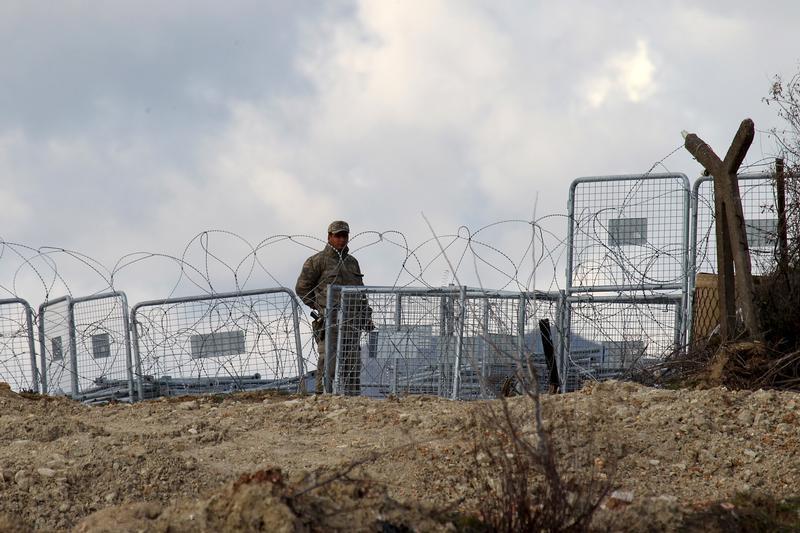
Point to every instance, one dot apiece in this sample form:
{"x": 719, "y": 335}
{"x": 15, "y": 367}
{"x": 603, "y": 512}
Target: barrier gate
{"x": 455, "y": 342}
{"x": 218, "y": 343}
{"x": 85, "y": 346}
{"x": 627, "y": 273}
{"x": 17, "y": 352}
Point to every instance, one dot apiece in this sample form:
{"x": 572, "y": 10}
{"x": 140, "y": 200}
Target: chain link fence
{"x": 17, "y": 352}
{"x": 218, "y": 343}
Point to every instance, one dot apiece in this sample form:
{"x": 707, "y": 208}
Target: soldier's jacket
{"x": 328, "y": 268}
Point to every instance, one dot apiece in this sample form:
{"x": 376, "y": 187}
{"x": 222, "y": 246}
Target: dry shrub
{"x": 521, "y": 471}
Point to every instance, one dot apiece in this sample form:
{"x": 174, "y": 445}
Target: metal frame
{"x": 74, "y": 361}
{"x": 43, "y": 351}
{"x": 765, "y": 177}
{"x": 34, "y": 377}
{"x": 295, "y": 324}
{"x": 646, "y": 290}
{"x": 458, "y": 307}
{"x": 646, "y": 301}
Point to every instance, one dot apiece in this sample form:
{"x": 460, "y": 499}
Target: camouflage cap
{"x": 338, "y": 226}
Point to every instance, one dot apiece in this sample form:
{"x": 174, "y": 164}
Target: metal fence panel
{"x": 759, "y": 203}
{"x": 55, "y": 348}
{"x": 454, "y": 342}
{"x": 17, "y": 353}
{"x": 102, "y": 346}
{"x": 218, "y": 343}
{"x": 614, "y": 336}
{"x": 628, "y": 233}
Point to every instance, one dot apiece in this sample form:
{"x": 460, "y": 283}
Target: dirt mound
{"x": 262, "y": 501}
{"x": 676, "y": 452}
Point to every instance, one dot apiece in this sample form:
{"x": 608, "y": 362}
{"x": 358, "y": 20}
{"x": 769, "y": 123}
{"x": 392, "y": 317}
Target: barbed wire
{"x": 504, "y": 255}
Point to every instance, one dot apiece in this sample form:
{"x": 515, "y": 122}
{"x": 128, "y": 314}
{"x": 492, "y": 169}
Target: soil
{"x": 257, "y": 461}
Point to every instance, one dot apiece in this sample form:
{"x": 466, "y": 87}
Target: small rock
{"x": 335, "y": 414}
{"x": 745, "y": 418}
{"x": 22, "y": 480}
{"x": 618, "y": 498}
{"x": 63, "y": 508}
{"x": 188, "y": 406}
{"x": 654, "y": 462}
{"x": 46, "y": 472}
{"x": 110, "y": 497}
{"x": 193, "y": 431}
{"x": 750, "y": 453}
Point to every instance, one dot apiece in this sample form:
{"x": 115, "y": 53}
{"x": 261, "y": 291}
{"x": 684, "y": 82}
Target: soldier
{"x": 335, "y": 266}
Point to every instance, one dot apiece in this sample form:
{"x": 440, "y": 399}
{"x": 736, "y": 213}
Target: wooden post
{"x": 726, "y": 187}
{"x": 783, "y": 239}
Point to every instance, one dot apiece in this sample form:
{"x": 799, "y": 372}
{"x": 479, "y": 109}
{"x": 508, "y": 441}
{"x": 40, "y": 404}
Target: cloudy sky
{"x": 134, "y": 127}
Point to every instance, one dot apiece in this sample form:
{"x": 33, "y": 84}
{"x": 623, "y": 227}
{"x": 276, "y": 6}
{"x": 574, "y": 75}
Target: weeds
{"x": 521, "y": 474}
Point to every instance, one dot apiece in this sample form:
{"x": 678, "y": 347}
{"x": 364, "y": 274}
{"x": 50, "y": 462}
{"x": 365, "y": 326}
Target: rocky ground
{"x": 333, "y": 463}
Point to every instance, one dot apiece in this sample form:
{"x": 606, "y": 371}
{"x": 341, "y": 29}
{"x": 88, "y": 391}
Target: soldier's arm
{"x": 307, "y": 283}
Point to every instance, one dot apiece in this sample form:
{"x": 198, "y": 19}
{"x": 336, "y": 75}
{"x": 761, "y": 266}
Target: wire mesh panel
{"x": 612, "y": 337}
{"x": 454, "y": 342}
{"x": 55, "y": 348}
{"x": 628, "y": 232}
{"x": 102, "y": 347}
{"x": 758, "y": 195}
{"x": 17, "y": 355}
{"x": 218, "y": 343}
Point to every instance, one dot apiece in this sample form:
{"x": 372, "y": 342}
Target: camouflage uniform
{"x": 329, "y": 267}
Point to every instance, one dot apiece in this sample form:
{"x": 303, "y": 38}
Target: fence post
{"x": 564, "y": 325}
{"x": 301, "y": 370}
{"x": 127, "y": 336}
{"x": 35, "y": 377}
{"x": 783, "y": 239}
{"x": 73, "y": 350}
{"x": 42, "y": 349}
{"x": 522, "y": 360}
{"x": 462, "y": 312}
{"x": 485, "y": 351}
{"x": 327, "y": 386}
{"x": 337, "y": 372}
{"x": 136, "y": 354}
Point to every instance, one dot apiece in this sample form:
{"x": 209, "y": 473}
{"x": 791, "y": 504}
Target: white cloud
{"x": 629, "y": 74}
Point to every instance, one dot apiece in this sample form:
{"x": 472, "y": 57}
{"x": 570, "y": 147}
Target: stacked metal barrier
{"x": 218, "y": 343}
{"x": 627, "y": 266}
{"x": 17, "y": 353}
{"x": 452, "y": 342}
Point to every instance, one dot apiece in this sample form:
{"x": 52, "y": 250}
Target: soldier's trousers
{"x": 350, "y": 361}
